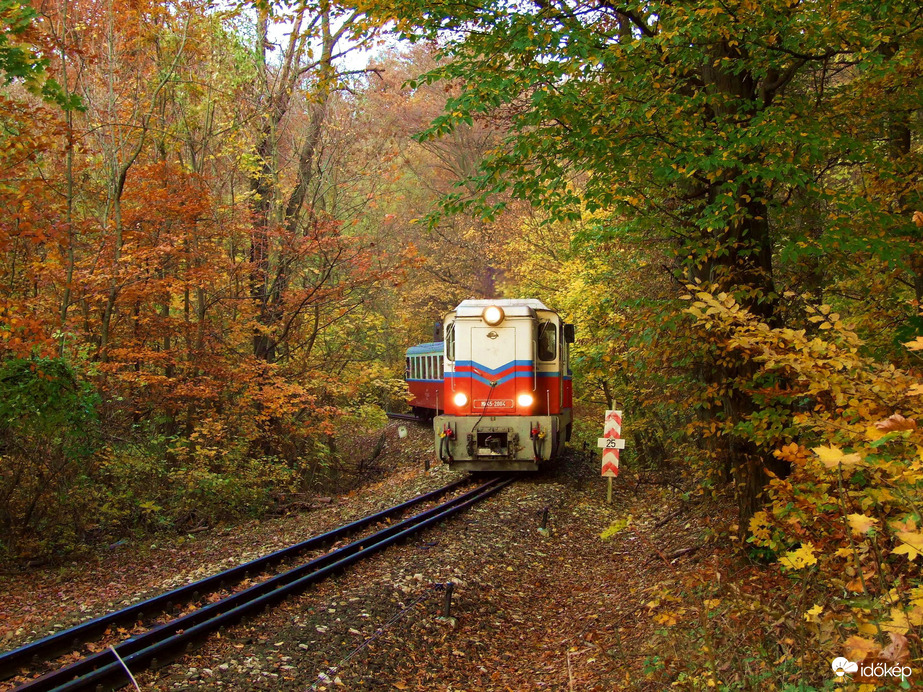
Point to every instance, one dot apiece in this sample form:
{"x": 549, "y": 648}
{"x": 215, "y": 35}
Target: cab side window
{"x": 450, "y": 342}
{"x": 547, "y": 341}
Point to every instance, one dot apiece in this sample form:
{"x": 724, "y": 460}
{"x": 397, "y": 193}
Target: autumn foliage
{"x": 215, "y": 243}
{"x": 178, "y": 336}
{"x": 726, "y": 198}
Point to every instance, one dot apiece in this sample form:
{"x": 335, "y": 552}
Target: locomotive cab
{"x": 507, "y": 387}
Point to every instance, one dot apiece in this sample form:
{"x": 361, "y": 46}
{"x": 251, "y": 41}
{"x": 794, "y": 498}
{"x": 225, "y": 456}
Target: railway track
{"x": 109, "y": 668}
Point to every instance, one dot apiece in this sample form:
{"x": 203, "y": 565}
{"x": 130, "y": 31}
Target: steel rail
{"x": 12, "y": 661}
{"x": 141, "y": 651}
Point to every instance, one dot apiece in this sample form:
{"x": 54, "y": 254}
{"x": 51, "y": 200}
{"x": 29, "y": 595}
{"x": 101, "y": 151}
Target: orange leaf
{"x": 858, "y": 648}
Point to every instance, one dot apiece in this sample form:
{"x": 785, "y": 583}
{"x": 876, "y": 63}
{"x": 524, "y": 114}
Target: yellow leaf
{"x": 916, "y": 616}
{"x": 759, "y": 525}
{"x": 911, "y": 544}
{"x": 915, "y": 345}
{"x": 860, "y": 523}
{"x": 898, "y": 622}
{"x": 615, "y": 527}
{"x": 851, "y": 460}
{"x": 868, "y": 628}
{"x": 796, "y": 559}
{"x": 812, "y": 613}
{"x": 831, "y": 457}
{"x": 872, "y": 433}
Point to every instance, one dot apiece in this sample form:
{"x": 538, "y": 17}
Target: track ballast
{"x": 170, "y": 638}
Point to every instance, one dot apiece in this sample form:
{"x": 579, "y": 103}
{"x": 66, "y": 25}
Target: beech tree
{"x": 307, "y": 74}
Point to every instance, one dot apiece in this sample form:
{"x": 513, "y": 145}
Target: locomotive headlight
{"x": 493, "y": 315}
{"x": 525, "y": 400}
{"x": 460, "y": 399}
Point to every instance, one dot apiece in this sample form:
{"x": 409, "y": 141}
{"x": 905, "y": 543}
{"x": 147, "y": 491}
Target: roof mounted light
{"x": 493, "y": 315}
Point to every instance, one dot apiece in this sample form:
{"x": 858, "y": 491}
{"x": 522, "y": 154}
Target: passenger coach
{"x": 424, "y": 375}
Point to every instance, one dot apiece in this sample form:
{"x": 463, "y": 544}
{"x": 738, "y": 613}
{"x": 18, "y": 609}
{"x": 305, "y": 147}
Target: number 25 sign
{"x": 611, "y": 442}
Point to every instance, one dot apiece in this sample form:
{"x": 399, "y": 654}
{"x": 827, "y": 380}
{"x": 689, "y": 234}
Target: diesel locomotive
{"x": 498, "y": 387}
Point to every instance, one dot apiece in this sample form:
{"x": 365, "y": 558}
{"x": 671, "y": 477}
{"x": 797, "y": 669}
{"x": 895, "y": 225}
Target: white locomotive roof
{"x": 468, "y": 308}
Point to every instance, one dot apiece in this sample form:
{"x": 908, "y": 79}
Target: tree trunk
{"x": 743, "y": 268}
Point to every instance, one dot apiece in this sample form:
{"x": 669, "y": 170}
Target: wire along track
{"x": 167, "y": 639}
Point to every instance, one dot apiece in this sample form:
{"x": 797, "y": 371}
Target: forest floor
{"x": 564, "y": 609}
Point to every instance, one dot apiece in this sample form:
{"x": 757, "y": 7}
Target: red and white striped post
{"x": 611, "y": 442}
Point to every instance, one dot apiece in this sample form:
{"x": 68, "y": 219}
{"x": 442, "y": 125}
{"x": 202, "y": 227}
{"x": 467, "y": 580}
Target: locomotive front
{"x": 507, "y": 386}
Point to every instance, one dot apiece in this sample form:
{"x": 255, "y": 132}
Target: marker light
{"x": 460, "y": 399}
{"x": 525, "y": 400}
{"x": 493, "y": 315}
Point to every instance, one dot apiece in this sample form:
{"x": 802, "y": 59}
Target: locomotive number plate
{"x": 493, "y": 403}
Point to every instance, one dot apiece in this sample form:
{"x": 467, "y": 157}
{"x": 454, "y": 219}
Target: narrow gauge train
{"x": 498, "y": 386}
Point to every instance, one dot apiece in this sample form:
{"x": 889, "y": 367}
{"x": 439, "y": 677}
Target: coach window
{"x": 450, "y": 342}
{"x": 547, "y": 341}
